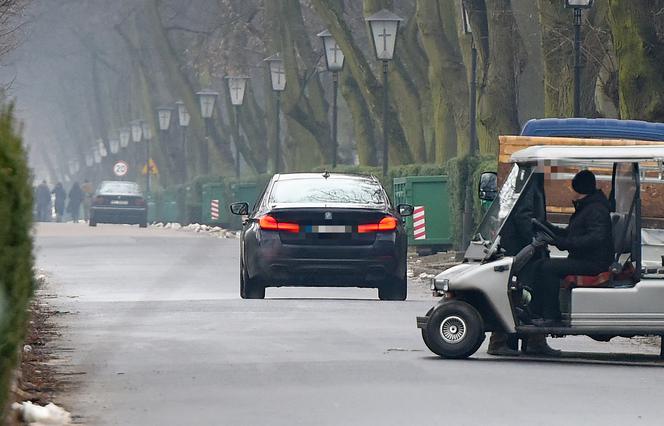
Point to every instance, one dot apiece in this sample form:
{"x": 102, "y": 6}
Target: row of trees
{"x": 135, "y": 56}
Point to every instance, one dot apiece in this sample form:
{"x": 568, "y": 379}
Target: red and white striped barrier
{"x": 214, "y": 209}
{"x": 419, "y": 228}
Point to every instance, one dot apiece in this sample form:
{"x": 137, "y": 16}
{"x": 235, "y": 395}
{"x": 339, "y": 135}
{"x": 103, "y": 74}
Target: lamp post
{"x": 114, "y": 144}
{"x": 384, "y": 29}
{"x": 237, "y": 85}
{"x": 207, "y": 100}
{"x": 164, "y": 114}
{"x": 578, "y": 6}
{"x": 334, "y": 59}
{"x": 136, "y": 130}
{"x": 102, "y": 148}
{"x": 146, "y": 130}
{"x": 474, "y": 148}
{"x": 278, "y": 80}
{"x": 125, "y": 136}
{"x": 183, "y": 121}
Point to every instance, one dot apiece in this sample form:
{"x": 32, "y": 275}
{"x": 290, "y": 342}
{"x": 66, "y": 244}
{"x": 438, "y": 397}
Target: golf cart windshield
{"x": 503, "y": 204}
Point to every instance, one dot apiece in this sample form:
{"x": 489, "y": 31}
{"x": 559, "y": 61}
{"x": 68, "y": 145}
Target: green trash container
{"x": 246, "y": 192}
{"x": 214, "y": 205}
{"x": 169, "y": 207}
{"x": 429, "y": 229}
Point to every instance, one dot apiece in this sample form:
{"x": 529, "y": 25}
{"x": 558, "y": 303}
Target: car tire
{"x": 425, "y": 336}
{"x": 250, "y": 288}
{"x": 143, "y": 225}
{"x": 455, "y": 330}
{"x": 92, "y": 222}
{"x": 395, "y": 289}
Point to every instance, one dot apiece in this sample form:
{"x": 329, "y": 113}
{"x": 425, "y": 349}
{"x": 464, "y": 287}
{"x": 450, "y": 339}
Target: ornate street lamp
{"x": 102, "y": 148}
{"x": 237, "y": 86}
{"x": 384, "y": 30}
{"x": 125, "y": 136}
{"x": 183, "y": 121}
{"x": 89, "y": 160}
{"x": 278, "y": 80}
{"x": 146, "y": 129}
{"x": 207, "y": 99}
{"x": 136, "y": 130}
{"x": 578, "y": 6}
{"x": 474, "y": 149}
{"x": 334, "y": 59}
{"x": 164, "y": 117}
{"x": 114, "y": 144}
{"x": 96, "y": 155}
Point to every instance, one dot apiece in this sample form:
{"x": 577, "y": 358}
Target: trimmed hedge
{"x": 16, "y": 262}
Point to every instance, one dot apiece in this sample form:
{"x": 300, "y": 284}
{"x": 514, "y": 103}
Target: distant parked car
{"x": 119, "y": 202}
{"x": 323, "y": 230}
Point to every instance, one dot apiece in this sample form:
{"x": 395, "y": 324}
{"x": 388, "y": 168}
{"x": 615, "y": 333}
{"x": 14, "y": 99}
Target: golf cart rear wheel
{"x": 455, "y": 330}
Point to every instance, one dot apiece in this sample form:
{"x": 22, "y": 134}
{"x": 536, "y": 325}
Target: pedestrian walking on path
{"x": 43, "y": 202}
{"x": 88, "y": 190}
{"x": 75, "y": 200}
{"x": 60, "y": 199}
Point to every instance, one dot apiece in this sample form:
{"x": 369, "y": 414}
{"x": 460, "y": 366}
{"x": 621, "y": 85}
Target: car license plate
{"x": 329, "y": 229}
{"x": 120, "y": 202}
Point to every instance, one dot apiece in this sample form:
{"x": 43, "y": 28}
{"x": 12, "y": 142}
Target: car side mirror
{"x": 405, "y": 210}
{"x": 488, "y": 186}
{"x": 240, "y": 209}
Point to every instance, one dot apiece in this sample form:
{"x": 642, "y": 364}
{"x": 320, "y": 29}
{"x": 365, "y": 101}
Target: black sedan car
{"x": 323, "y": 230}
{"x": 119, "y": 202}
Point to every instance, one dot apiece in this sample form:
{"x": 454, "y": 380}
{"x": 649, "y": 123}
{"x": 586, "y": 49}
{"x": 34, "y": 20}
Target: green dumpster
{"x": 246, "y": 192}
{"x": 214, "y": 205}
{"x": 429, "y": 229}
{"x": 169, "y": 207}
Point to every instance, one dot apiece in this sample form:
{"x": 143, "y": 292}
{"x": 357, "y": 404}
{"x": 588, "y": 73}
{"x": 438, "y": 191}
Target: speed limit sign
{"x": 120, "y": 168}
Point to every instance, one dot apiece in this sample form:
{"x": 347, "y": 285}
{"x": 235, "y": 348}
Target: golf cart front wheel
{"x": 455, "y": 330}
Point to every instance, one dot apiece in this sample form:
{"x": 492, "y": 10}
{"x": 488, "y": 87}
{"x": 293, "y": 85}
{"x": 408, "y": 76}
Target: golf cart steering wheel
{"x": 544, "y": 229}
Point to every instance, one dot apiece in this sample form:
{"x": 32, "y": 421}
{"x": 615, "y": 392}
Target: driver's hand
{"x": 561, "y": 243}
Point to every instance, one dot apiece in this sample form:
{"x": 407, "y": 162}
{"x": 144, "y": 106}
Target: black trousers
{"x": 547, "y": 285}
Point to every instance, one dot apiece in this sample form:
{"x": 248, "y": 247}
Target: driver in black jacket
{"x": 589, "y": 242}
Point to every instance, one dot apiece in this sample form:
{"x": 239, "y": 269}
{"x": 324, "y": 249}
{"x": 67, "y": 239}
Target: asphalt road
{"x": 154, "y": 333}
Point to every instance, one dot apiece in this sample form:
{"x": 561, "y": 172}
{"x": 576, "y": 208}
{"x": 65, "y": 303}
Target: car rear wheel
{"x": 250, "y": 288}
{"x": 395, "y": 289}
{"x": 92, "y": 222}
{"x": 455, "y": 330}
{"x": 143, "y": 225}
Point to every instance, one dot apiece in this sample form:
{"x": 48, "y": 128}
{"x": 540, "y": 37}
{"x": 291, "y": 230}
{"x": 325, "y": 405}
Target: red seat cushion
{"x": 587, "y": 280}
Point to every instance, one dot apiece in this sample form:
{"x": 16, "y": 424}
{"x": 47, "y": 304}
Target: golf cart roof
{"x": 589, "y": 154}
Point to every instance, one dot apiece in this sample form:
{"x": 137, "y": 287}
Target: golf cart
{"x": 485, "y": 294}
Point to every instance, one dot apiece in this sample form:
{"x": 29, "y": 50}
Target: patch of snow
{"x": 36, "y": 415}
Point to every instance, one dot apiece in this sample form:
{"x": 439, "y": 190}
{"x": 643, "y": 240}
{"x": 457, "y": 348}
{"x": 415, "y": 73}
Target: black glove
{"x": 562, "y": 243}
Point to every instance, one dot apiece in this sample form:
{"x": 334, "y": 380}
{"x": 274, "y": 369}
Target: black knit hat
{"x": 584, "y": 182}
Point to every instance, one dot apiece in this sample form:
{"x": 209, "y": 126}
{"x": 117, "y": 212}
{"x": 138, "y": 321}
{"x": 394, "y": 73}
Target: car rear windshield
{"x": 327, "y": 191}
{"x": 127, "y": 188}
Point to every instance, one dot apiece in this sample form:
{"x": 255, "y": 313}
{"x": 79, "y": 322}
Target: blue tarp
{"x": 601, "y": 128}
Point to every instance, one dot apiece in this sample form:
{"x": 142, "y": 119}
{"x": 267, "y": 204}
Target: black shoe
{"x": 547, "y": 322}
{"x": 503, "y": 350}
{"x": 537, "y": 345}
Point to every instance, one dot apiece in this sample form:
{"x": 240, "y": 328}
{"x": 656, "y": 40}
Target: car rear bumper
{"x": 130, "y": 215}
{"x": 278, "y": 264}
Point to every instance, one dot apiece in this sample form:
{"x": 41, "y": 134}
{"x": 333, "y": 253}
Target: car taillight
{"x": 269, "y": 223}
{"x": 99, "y": 200}
{"x": 388, "y": 223}
{"x": 139, "y": 202}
